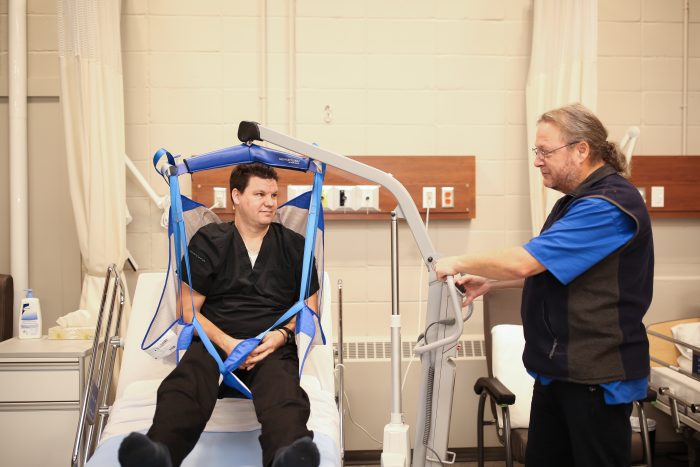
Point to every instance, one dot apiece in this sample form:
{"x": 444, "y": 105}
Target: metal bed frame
{"x": 676, "y": 407}
{"x": 94, "y": 407}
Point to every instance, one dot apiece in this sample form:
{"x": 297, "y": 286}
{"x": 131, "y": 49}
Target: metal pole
{"x": 395, "y": 323}
{"x": 341, "y": 372}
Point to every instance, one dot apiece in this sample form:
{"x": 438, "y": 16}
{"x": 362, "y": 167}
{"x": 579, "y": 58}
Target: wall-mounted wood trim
{"x": 680, "y": 177}
{"x": 414, "y": 172}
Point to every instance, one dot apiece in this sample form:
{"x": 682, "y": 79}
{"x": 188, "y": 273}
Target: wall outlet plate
{"x": 448, "y": 197}
{"x": 657, "y": 197}
{"x": 429, "y": 195}
{"x": 220, "y": 197}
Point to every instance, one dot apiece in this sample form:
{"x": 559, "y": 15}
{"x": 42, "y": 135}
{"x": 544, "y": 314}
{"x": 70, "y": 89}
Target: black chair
{"x": 503, "y": 307}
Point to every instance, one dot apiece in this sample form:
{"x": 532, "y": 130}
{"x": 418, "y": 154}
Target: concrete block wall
{"x": 400, "y": 77}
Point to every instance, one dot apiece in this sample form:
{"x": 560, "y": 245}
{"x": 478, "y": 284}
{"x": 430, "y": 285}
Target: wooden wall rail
{"x": 414, "y": 172}
{"x": 680, "y": 177}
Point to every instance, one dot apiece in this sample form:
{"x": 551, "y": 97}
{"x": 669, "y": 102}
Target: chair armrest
{"x": 498, "y": 392}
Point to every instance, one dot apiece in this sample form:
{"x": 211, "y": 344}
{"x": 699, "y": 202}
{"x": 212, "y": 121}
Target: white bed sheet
{"x": 233, "y": 421}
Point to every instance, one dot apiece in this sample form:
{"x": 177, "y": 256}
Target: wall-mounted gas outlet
{"x": 326, "y": 191}
{"x": 367, "y": 197}
{"x": 448, "y": 197}
{"x": 429, "y": 194}
{"x": 220, "y": 197}
{"x": 345, "y": 198}
{"x": 295, "y": 190}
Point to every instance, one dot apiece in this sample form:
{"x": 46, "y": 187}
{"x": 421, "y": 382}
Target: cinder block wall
{"x": 401, "y": 77}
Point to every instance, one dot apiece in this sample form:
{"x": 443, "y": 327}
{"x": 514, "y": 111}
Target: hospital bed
{"x": 231, "y": 436}
{"x": 671, "y": 348}
{"x": 444, "y": 319}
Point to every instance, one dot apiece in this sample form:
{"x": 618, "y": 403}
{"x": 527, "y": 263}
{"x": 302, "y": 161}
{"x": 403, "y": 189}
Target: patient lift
{"x": 444, "y": 320}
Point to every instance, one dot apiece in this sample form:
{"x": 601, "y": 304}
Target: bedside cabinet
{"x": 41, "y": 384}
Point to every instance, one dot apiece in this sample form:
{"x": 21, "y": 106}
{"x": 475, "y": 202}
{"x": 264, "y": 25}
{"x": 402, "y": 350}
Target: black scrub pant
{"x": 571, "y": 425}
{"x": 187, "y": 396}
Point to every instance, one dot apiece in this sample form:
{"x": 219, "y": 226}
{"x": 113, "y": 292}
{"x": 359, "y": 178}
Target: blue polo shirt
{"x": 591, "y": 230}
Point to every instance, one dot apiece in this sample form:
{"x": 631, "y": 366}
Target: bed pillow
{"x": 507, "y": 345}
{"x": 685, "y": 363}
{"x": 688, "y": 333}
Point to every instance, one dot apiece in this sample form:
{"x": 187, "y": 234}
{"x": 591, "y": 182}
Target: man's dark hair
{"x": 240, "y": 175}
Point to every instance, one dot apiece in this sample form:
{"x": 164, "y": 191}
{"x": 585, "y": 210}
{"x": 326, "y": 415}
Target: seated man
{"x": 245, "y": 275}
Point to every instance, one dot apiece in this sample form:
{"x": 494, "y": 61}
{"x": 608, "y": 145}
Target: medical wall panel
{"x": 678, "y": 176}
{"x": 414, "y": 172}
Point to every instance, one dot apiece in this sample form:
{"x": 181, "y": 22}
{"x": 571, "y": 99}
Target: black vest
{"x": 591, "y": 330}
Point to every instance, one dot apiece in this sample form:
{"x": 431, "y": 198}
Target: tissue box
{"x": 59, "y": 332}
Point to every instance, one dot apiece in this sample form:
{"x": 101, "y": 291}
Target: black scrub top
{"x": 243, "y": 300}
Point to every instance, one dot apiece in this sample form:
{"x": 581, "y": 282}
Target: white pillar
{"x": 19, "y": 202}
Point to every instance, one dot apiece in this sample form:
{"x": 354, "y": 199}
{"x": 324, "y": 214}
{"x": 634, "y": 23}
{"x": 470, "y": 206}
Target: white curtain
{"x": 93, "y": 112}
{"x": 563, "y": 70}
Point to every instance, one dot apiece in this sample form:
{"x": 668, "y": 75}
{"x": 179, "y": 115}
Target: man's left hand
{"x": 271, "y": 342}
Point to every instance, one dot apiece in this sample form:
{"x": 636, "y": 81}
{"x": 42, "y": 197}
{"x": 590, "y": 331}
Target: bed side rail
{"x": 665, "y": 363}
{"x": 94, "y": 409}
{"x": 663, "y": 352}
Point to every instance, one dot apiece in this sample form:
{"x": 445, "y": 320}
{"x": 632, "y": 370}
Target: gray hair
{"x": 577, "y": 123}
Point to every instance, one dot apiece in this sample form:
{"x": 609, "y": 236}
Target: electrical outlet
{"x": 657, "y": 197}
{"x": 429, "y": 194}
{"x": 448, "y": 197}
{"x": 219, "y": 197}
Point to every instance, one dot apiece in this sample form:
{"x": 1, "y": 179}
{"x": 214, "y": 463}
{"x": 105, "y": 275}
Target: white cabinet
{"x": 41, "y": 384}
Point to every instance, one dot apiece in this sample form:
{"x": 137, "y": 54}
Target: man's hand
{"x": 229, "y": 343}
{"x": 447, "y": 266}
{"x": 272, "y": 341}
{"x": 475, "y": 286}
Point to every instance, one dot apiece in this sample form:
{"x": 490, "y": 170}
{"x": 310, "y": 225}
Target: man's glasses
{"x": 544, "y": 154}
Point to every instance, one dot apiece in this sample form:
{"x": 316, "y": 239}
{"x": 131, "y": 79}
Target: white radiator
{"x": 368, "y": 388}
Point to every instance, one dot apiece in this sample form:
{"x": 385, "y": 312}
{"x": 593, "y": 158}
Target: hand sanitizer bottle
{"x": 30, "y": 317}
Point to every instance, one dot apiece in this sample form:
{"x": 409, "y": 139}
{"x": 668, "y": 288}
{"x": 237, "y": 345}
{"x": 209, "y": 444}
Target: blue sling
{"x": 306, "y": 317}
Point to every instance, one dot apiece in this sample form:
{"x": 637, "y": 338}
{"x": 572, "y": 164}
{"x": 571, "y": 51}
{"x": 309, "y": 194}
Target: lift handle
{"x": 457, "y": 309}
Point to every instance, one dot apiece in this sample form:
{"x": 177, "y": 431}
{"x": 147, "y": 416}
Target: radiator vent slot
{"x": 468, "y": 349}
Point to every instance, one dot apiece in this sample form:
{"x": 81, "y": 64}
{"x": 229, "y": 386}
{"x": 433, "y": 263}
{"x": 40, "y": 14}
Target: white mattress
{"x": 681, "y": 385}
{"x": 233, "y": 419}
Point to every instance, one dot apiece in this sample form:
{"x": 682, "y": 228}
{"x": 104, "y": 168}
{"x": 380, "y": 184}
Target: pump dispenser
{"x": 30, "y": 317}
